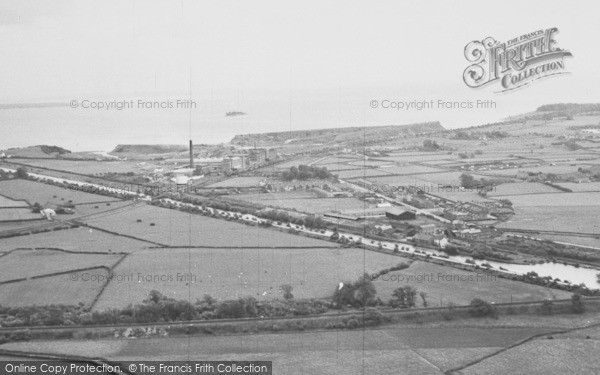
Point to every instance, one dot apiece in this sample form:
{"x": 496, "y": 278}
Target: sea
{"x": 94, "y": 122}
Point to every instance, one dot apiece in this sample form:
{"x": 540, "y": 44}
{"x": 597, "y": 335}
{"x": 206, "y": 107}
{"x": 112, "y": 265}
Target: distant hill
{"x": 39, "y": 151}
{"x": 120, "y": 150}
{"x": 570, "y": 108}
{"x": 337, "y": 135}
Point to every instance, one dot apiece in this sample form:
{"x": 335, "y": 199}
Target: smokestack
{"x": 191, "y": 155}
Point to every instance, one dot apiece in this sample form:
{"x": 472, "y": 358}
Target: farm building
{"x": 428, "y": 229}
{"x": 399, "y": 214}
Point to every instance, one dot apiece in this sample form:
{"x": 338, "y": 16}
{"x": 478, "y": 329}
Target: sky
{"x": 289, "y": 65}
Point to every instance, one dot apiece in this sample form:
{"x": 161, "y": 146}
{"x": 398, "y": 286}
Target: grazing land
{"x": 45, "y": 194}
{"x": 304, "y": 202}
{"x": 398, "y": 350}
{"x": 233, "y": 273}
{"x": 544, "y": 356}
{"x": 239, "y": 182}
{"x": 176, "y": 228}
{"x": 51, "y": 290}
{"x": 444, "y": 285}
{"x": 28, "y": 263}
{"x": 80, "y": 239}
{"x": 555, "y": 218}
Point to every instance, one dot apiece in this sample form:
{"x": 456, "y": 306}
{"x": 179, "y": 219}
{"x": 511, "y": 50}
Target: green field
{"x": 360, "y": 173}
{"x": 582, "y": 219}
{"x": 445, "y": 285}
{"x": 18, "y": 213}
{"x": 444, "y": 178}
{"x": 392, "y": 350}
{"x": 239, "y": 182}
{"x": 178, "y": 228}
{"x": 46, "y": 194}
{"x": 233, "y": 273}
{"x": 543, "y": 356}
{"x": 78, "y": 239}
{"x": 91, "y": 167}
{"x": 27, "y": 263}
{"x": 304, "y": 202}
{"x": 555, "y": 200}
{"x": 522, "y": 188}
{"x": 409, "y": 169}
{"x": 51, "y": 290}
{"x": 6, "y": 202}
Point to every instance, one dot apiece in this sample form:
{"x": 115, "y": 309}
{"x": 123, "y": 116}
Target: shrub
{"x": 353, "y": 323}
{"x": 373, "y": 316}
{"x": 481, "y": 308}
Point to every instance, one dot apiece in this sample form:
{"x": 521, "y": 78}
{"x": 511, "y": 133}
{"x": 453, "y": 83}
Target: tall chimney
{"x": 191, "y": 155}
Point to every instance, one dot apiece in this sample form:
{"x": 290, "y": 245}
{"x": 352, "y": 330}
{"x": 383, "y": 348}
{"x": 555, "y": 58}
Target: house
{"x": 427, "y": 229}
{"x": 399, "y": 214}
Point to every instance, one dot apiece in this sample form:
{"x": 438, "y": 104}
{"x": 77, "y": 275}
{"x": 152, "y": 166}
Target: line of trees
{"x": 306, "y": 172}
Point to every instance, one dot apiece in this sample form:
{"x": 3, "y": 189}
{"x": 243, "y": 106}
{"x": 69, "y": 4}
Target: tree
{"x": 400, "y": 297}
{"x": 365, "y": 290}
{"x": 577, "y": 303}
{"x": 287, "y": 291}
{"x": 36, "y": 208}
{"x": 404, "y": 296}
{"x": 358, "y": 294}
{"x": 481, "y": 308}
{"x": 467, "y": 181}
{"x": 411, "y": 293}
{"x": 428, "y": 144}
{"x": 22, "y": 172}
{"x": 155, "y": 297}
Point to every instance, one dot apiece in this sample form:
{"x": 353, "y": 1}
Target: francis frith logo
{"x": 514, "y": 63}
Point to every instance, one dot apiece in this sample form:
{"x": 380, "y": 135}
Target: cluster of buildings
{"x": 236, "y": 160}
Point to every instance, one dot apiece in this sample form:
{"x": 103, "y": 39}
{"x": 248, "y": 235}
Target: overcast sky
{"x": 63, "y": 50}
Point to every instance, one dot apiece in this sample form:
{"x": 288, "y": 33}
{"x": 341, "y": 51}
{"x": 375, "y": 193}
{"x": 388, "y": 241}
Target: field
{"x": 239, "y": 182}
{"x": 28, "y": 263}
{"x": 18, "y": 213}
{"x": 543, "y": 356}
{"x": 45, "y": 194}
{"x": 7, "y": 202}
{"x": 176, "y": 228}
{"x": 51, "y": 290}
{"x": 576, "y": 240}
{"x": 370, "y": 163}
{"x": 78, "y": 239}
{"x": 445, "y": 284}
{"x": 303, "y": 202}
{"x": 551, "y": 200}
{"x": 90, "y": 167}
{"x": 308, "y": 160}
{"x": 587, "y": 186}
{"x": 428, "y": 179}
{"x": 410, "y": 169}
{"x": 454, "y": 194}
{"x": 581, "y": 219}
{"x": 359, "y": 173}
{"x": 394, "y": 350}
{"x": 522, "y": 188}
{"x": 345, "y": 159}
{"x": 233, "y": 273}
{"x": 341, "y": 167}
